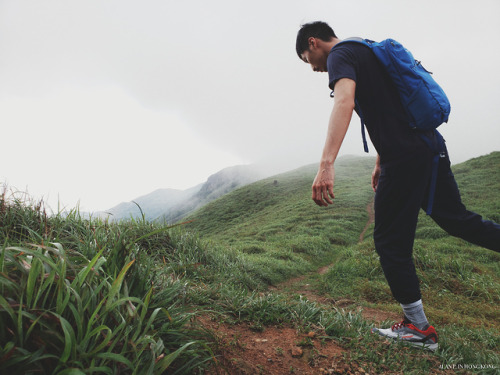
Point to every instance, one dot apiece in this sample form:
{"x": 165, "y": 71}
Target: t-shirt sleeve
{"x": 340, "y": 64}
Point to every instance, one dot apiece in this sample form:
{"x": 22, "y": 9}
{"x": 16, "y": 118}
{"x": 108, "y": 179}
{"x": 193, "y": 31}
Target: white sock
{"x": 415, "y": 314}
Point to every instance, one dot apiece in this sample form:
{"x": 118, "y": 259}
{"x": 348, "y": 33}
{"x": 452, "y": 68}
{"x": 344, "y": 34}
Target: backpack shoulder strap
{"x": 358, "y": 108}
{"x": 354, "y": 39}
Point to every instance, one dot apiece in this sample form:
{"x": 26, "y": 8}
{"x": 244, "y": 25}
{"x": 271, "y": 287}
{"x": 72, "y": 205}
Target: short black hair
{"x": 317, "y": 29}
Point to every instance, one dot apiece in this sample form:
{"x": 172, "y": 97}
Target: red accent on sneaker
{"x": 402, "y": 323}
{"x": 429, "y": 333}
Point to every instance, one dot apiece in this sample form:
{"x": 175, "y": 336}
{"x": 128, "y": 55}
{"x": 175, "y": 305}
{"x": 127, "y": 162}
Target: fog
{"x": 104, "y": 101}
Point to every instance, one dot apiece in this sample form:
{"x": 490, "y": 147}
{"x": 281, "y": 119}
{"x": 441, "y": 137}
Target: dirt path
{"x": 371, "y": 219}
{"x": 284, "y": 349}
{"x": 300, "y": 285}
{"x": 274, "y": 351}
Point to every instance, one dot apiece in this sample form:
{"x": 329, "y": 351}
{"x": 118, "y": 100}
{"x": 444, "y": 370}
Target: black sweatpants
{"x": 403, "y": 189}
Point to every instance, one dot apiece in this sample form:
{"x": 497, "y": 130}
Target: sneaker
{"x": 407, "y": 332}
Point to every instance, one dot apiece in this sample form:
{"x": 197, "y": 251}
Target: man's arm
{"x": 322, "y": 189}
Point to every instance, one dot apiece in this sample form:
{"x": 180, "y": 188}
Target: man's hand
{"x": 322, "y": 189}
{"x": 376, "y": 174}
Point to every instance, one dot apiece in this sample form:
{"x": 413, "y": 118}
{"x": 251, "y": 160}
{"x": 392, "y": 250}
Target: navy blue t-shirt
{"x": 378, "y": 99}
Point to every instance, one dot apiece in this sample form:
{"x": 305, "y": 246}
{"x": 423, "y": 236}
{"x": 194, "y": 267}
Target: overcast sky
{"x": 104, "y": 101}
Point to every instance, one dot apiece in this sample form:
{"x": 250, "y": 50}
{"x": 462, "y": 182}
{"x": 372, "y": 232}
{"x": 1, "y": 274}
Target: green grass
{"x": 277, "y": 226}
{"x": 460, "y": 282}
{"x": 85, "y": 296}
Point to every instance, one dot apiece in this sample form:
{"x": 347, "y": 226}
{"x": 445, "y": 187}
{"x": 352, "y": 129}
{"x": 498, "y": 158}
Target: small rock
{"x": 296, "y": 352}
{"x": 260, "y": 340}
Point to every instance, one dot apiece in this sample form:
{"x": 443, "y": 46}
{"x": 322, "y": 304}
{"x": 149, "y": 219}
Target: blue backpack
{"x": 424, "y": 100}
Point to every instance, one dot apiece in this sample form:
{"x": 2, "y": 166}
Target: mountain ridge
{"x": 171, "y": 205}
{"x": 262, "y": 210}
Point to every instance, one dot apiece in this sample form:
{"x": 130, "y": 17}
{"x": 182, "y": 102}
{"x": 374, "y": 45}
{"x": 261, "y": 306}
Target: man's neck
{"x": 330, "y": 44}
{"x": 334, "y": 41}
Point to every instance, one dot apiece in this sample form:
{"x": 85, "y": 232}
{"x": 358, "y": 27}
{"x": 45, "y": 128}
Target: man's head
{"x": 314, "y": 41}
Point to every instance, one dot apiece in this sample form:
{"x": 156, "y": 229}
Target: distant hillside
{"x": 276, "y": 206}
{"x": 280, "y": 207}
{"x": 216, "y": 186}
{"x": 153, "y": 204}
{"x": 243, "y": 195}
{"x": 171, "y": 205}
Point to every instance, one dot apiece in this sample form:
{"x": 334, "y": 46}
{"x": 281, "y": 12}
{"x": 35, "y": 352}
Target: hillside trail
{"x": 371, "y": 219}
{"x": 285, "y": 349}
{"x": 300, "y": 285}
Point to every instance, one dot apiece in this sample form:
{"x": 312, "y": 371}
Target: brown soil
{"x": 285, "y": 350}
{"x": 276, "y": 350}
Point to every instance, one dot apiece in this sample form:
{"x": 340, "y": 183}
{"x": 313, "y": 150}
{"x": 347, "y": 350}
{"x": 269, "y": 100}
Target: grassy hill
{"x": 274, "y": 224}
{"x": 276, "y": 219}
{"x": 136, "y": 297}
{"x": 276, "y": 205}
{"x": 280, "y": 208}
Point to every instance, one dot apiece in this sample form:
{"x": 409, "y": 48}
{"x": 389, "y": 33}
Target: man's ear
{"x": 312, "y": 42}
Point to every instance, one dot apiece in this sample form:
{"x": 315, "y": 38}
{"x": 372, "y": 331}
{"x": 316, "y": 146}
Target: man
{"x": 401, "y": 175}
